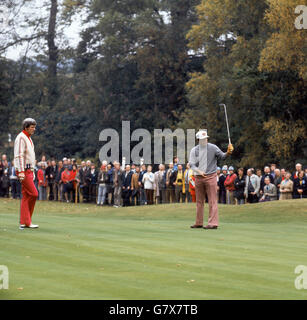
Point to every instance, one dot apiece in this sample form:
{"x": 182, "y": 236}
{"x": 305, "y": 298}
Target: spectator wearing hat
{"x": 252, "y": 187}
{"x": 65, "y": 162}
{"x": 230, "y": 186}
{"x": 221, "y": 185}
{"x": 300, "y": 186}
{"x": 240, "y": 186}
{"x": 286, "y": 187}
{"x": 203, "y": 161}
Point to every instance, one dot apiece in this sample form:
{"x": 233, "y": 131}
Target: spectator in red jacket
{"x": 42, "y": 181}
{"x": 230, "y": 186}
{"x": 67, "y": 180}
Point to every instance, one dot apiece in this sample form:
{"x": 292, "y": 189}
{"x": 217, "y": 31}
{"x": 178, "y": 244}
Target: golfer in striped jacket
{"x": 24, "y": 159}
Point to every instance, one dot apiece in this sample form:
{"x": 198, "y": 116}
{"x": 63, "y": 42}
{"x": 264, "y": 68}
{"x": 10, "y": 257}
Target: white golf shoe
{"x": 33, "y": 226}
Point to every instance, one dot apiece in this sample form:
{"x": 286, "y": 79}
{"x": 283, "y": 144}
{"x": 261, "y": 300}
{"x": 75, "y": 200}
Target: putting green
{"x": 150, "y": 252}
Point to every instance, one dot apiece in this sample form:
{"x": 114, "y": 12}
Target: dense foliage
{"x": 163, "y": 64}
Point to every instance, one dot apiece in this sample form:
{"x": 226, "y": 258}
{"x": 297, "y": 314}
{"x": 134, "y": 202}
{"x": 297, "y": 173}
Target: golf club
{"x": 225, "y": 108}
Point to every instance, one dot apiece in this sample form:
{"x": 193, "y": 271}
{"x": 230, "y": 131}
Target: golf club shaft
{"x": 225, "y": 108}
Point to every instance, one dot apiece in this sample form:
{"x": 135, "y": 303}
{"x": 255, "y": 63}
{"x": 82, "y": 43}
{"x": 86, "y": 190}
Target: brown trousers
{"x": 149, "y": 195}
{"x": 206, "y": 186}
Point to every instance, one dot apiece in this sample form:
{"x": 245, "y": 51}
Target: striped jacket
{"x": 23, "y": 152}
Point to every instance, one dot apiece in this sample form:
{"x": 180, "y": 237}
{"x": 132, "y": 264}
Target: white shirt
{"x": 148, "y": 180}
{"x": 24, "y": 153}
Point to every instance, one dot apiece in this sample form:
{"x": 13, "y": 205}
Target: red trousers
{"x": 29, "y": 195}
{"x": 206, "y": 186}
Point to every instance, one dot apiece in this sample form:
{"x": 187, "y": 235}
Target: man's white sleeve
{"x": 19, "y": 154}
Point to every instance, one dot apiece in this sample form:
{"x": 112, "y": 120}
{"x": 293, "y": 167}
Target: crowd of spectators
{"x": 116, "y": 185}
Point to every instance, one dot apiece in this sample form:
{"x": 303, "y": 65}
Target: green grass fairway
{"x": 150, "y": 252}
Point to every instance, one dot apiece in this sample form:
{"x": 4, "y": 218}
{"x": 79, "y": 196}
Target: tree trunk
{"x": 53, "y": 54}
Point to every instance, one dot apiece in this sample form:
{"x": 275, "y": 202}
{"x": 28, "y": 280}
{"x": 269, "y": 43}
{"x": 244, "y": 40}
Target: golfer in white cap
{"x": 203, "y": 161}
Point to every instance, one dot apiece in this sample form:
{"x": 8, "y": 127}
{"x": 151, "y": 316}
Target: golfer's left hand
{"x": 230, "y": 149}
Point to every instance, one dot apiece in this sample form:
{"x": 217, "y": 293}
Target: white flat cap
{"x": 202, "y": 134}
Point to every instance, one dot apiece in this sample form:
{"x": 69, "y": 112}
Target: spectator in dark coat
{"x": 277, "y": 181}
{"x": 117, "y": 184}
{"x": 126, "y": 185}
{"x": 91, "y": 180}
{"x": 300, "y": 186}
{"x": 110, "y": 190}
{"x": 143, "y": 199}
{"x": 50, "y": 175}
{"x": 84, "y": 185}
{"x": 170, "y": 187}
{"x": 58, "y": 186}
{"x": 240, "y": 186}
{"x": 4, "y": 177}
{"x": 221, "y": 185}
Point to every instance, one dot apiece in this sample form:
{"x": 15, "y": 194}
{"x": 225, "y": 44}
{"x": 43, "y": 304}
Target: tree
{"x": 286, "y": 48}
{"x": 232, "y": 35}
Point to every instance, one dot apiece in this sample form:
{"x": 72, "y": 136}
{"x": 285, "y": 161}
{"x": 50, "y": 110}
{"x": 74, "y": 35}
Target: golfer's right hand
{"x": 230, "y": 149}
{"x": 201, "y": 173}
{"x": 21, "y": 176}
